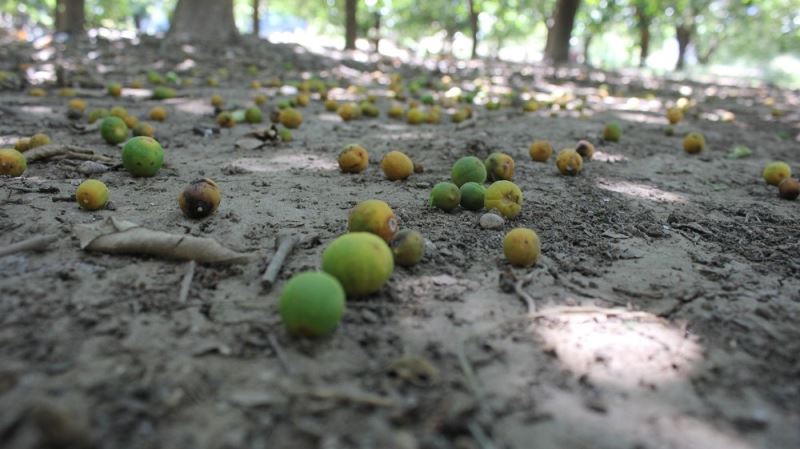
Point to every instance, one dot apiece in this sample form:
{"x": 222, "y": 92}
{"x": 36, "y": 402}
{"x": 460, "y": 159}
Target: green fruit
{"x": 12, "y": 162}
{"x": 408, "y": 248}
{"x": 163, "y": 93}
{"x": 445, "y": 196}
{"x": 612, "y": 132}
{"x": 97, "y": 114}
{"x": 142, "y": 156}
{"x": 361, "y": 261}
{"x": 312, "y": 304}
{"x": 154, "y": 77}
{"x": 253, "y": 115}
{"x": 468, "y": 169}
{"x": 472, "y": 196}
{"x": 114, "y": 130}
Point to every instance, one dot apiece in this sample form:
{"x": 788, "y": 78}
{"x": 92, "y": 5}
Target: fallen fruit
{"x": 302, "y": 100}
{"x": 415, "y": 116}
{"x": 612, "y": 132}
{"x": 361, "y": 261}
{"x": 225, "y": 120}
{"x": 12, "y": 162}
{"x": 349, "y": 111}
{"x": 22, "y": 145}
{"x": 290, "y": 118}
{"x": 446, "y": 196}
{"x": 144, "y": 129}
{"x": 114, "y": 89}
{"x": 569, "y": 162}
{"x": 253, "y": 115}
{"x": 37, "y": 92}
{"x": 92, "y": 195}
{"x": 97, "y": 114}
{"x": 119, "y": 111}
{"x": 499, "y": 166}
{"x": 585, "y": 149}
{"x": 158, "y": 113}
{"x": 789, "y": 189}
{"x": 142, "y": 156}
{"x": 260, "y": 99}
{"x": 163, "y": 93}
{"x": 331, "y": 105}
{"x": 540, "y": 151}
{"x": 130, "y": 121}
{"x": 312, "y": 304}
{"x": 353, "y": 159}
{"x": 369, "y": 109}
{"x": 521, "y": 247}
{"x": 468, "y": 169}
{"x": 77, "y": 105}
{"x": 674, "y": 115}
{"x": 408, "y": 248}
{"x": 505, "y": 197}
{"x": 775, "y": 172}
{"x": 472, "y": 195}
{"x": 396, "y": 166}
{"x": 395, "y": 111}
{"x": 114, "y": 130}
{"x": 285, "y": 135}
{"x": 373, "y": 216}
{"x": 694, "y": 143}
{"x": 38, "y": 140}
{"x": 217, "y": 101}
{"x": 200, "y": 198}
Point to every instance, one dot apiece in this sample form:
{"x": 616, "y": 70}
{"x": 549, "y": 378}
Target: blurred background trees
{"x": 656, "y": 34}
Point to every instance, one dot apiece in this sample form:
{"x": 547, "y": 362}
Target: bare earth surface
{"x": 668, "y": 294}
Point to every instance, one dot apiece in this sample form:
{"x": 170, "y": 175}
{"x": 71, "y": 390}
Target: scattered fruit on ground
{"x": 290, "y": 118}
{"x": 77, "y": 105}
{"x": 118, "y": 111}
{"x": 225, "y": 120}
{"x": 144, "y": 129}
{"x": 369, "y": 109}
{"x": 217, "y": 101}
{"x": 694, "y": 143}
{"x": 499, "y": 166}
{"x": 504, "y": 197}
{"x": 415, "y": 116}
{"x": 396, "y": 110}
{"x": 468, "y": 169}
{"x": 253, "y": 115}
{"x": 164, "y": 93}
{"x": 38, "y": 140}
{"x": 775, "y": 172}
{"x": 97, "y": 114}
{"x": 396, "y": 166}
{"x": 361, "y": 261}
{"x": 531, "y": 106}
{"x": 22, "y": 145}
{"x": 142, "y": 156}
{"x": 569, "y": 162}
{"x": 37, "y": 92}
{"x": 114, "y": 89}
{"x": 540, "y": 150}
{"x": 353, "y": 159}
{"x": 585, "y": 149}
{"x": 12, "y": 162}
{"x": 331, "y": 105}
{"x": 255, "y": 84}
{"x": 312, "y": 304}
{"x": 521, "y": 247}
{"x": 158, "y": 113}
{"x": 349, "y": 111}
{"x": 669, "y": 131}
{"x": 92, "y": 195}
{"x": 200, "y": 198}
{"x": 459, "y": 116}
{"x": 789, "y": 189}
{"x": 445, "y": 196}
{"x": 612, "y": 132}
{"x": 302, "y": 100}
{"x": 130, "y": 121}
{"x": 408, "y": 247}
{"x": 472, "y": 195}
{"x": 260, "y": 99}
{"x": 114, "y": 130}
{"x": 674, "y": 115}
{"x": 285, "y": 135}
{"x": 373, "y": 216}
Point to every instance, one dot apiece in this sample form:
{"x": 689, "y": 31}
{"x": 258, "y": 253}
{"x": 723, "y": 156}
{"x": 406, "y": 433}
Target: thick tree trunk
{"x": 559, "y": 34}
{"x": 643, "y": 23}
{"x": 70, "y": 17}
{"x": 587, "y": 42}
{"x": 256, "y": 17}
{"x": 683, "y": 33}
{"x": 350, "y": 24}
{"x": 473, "y": 25}
{"x": 203, "y": 21}
{"x": 376, "y": 27}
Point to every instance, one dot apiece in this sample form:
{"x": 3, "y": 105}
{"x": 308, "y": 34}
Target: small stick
{"x": 279, "y": 353}
{"x": 186, "y": 283}
{"x": 32, "y": 244}
{"x": 285, "y": 247}
{"x": 483, "y": 440}
{"x": 519, "y": 289}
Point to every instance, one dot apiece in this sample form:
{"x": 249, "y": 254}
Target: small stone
{"x": 491, "y": 221}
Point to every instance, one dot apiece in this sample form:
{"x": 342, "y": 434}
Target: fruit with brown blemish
{"x": 585, "y": 149}
{"x": 468, "y": 169}
{"x": 504, "y": 197}
{"x": 92, "y": 195}
{"x": 540, "y": 150}
{"x": 472, "y": 195}
{"x": 349, "y": 111}
{"x": 775, "y": 172}
{"x": 373, "y": 216}
{"x": 499, "y": 166}
{"x": 312, "y": 304}
{"x": 445, "y": 196}
{"x": 353, "y": 159}
{"x": 225, "y": 120}
{"x": 408, "y": 247}
{"x": 142, "y": 156}
{"x": 789, "y": 189}
{"x": 674, "y": 115}
{"x": 361, "y": 261}
{"x": 114, "y": 89}
{"x": 521, "y": 247}
{"x": 22, "y": 145}
{"x": 612, "y": 132}
{"x": 158, "y": 113}
{"x": 12, "y": 162}
{"x": 694, "y": 143}
{"x": 569, "y": 162}
{"x": 38, "y": 140}
{"x": 113, "y": 130}
{"x": 290, "y": 118}
{"x": 144, "y": 129}
{"x": 200, "y": 198}
{"x": 396, "y": 165}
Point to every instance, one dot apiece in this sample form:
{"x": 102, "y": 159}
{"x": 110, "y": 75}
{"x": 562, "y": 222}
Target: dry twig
{"x": 285, "y": 246}
{"x": 33, "y": 244}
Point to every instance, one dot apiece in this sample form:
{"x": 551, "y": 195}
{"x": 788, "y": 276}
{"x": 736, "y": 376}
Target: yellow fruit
{"x": 505, "y": 197}
{"x": 259, "y": 99}
{"x": 521, "y": 247}
{"x": 255, "y": 84}
{"x": 353, "y": 159}
{"x": 499, "y": 166}
{"x": 97, "y": 114}
{"x": 225, "y": 119}
{"x": 362, "y": 262}
{"x": 130, "y": 121}
{"x": 118, "y": 111}
{"x": 540, "y": 151}
{"x": 158, "y": 113}
{"x": 92, "y": 195}
{"x": 459, "y": 116}
{"x": 200, "y": 198}
{"x": 569, "y": 162}
{"x": 290, "y": 118}
{"x": 349, "y": 111}
{"x": 694, "y": 143}
{"x": 77, "y": 105}
{"x": 408, "y": 248}
{"x": 775, "y": 172}
{"x": 415, "y": 116}
{"x": 302, "y": 100}
{"x": 144, "y": 129}
{"x": 137, "y": 84}
{"x": 114, "y": 89}
{"x": 12, "y": 162}
{"x": 312, "y": 304}
{"x": 331, "y": 105}
{"x": 217, "y": 101}
{"x": 789, "y": 189}
{"x": 38, "y": 140}
{"x": 531, "y": 106}
{"x": 23, "y": 145}
{"x": 37, "y": 92}
{"x": 66, "y": 92}
{"x": 396, "y": 165}
{"x": 674, "y": 115}
{"x": 585, "y": 149}
{"x": 395, "y": 110}
{"x": 373, "y": 216}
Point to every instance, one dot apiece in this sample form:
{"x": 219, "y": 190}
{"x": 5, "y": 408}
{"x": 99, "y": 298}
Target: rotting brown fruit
{"x": 199, "y": 199}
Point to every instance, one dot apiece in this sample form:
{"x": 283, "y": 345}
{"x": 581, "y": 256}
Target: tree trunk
{"x": 473, "y": 24}
{"x": 683, "y": 33}
{"x": 557, "y": 47}
{"x": 587, "y": 42}
{"x": 256, "y": 17}
{"x": 203, "y": 21}
{"x": 70, "y": 17}
{"x": 350, "y": 24}
{"x": 376, "y": 26}
{"x": 643, "y": 23}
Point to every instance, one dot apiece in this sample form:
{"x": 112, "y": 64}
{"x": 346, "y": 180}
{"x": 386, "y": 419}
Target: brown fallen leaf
{"x": 115, "y": 236}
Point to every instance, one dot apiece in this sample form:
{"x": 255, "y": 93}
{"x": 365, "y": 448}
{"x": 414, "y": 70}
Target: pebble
{"x": 491, "y": 221}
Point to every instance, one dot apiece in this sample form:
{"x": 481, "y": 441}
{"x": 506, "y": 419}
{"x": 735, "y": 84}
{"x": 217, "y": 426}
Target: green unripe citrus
{"x": 312, "y": 304}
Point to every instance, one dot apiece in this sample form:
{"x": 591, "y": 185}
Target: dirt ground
{"x": 667, "y": 298}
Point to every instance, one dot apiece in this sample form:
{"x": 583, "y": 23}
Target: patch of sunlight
{"x": 640, "y": 117}
{"x": 8, "y": 140}
{"x": 282, "y": 162}
{"x": 643, "y": 191}
{"x": 38, "y": 110}
{"x": 195, "y": 106}
{"x": 618, "y": 347}
{"x": 611, "y": 158}
{"x": 136, "y": 93}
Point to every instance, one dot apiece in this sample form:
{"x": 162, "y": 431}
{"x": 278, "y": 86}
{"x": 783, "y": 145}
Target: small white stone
{"x": 491, "y": 221}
